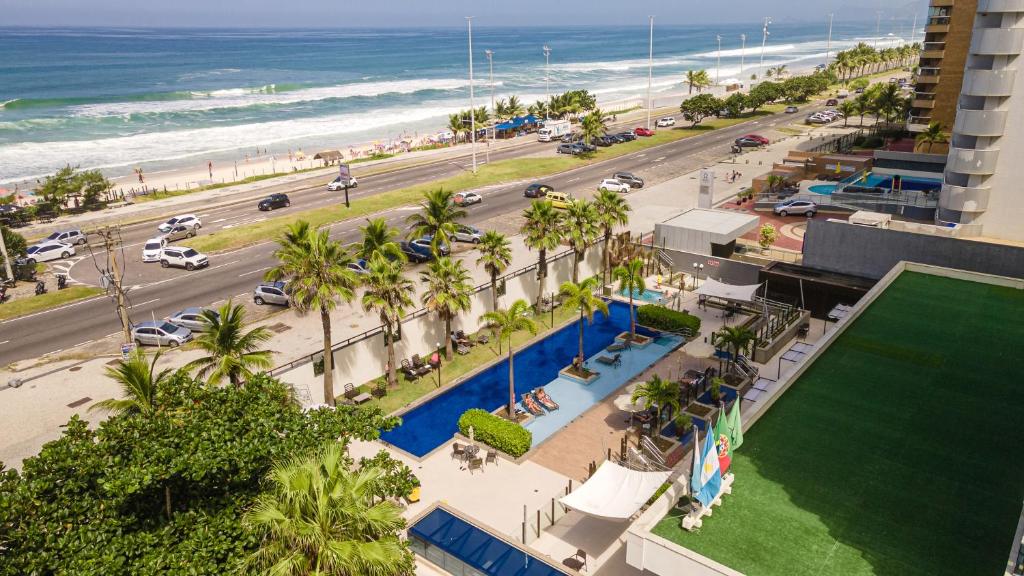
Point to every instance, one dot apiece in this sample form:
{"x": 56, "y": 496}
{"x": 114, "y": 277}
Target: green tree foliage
{"x": 542, "y": 231}
{"x": 580, "y": 221}
{"x": 505, "y": 323}
{"x": 230, "y": 350}
{"x": 763, "y": 93}
{"x": 162, "y": 493}
{"x": 630, "y": 276}
{"x": 389, "y": 294}
{"x": 612, "y": 210}
{"x": 379, "y": 238}
{"x": 140, "y": 383}
{"x": 735, "y": 104}
{"x": 581, "y": 297}
{"x": 437, "y": 218}
{"x": 699, "y": 107}
{"x": 593, "y": 125}
{"x": 59, "y": 188}
{"x": 448, "y": 291}
{"x": 658, "y": 393}
{"x": 15, "y": 244}
{"x": 495, "y": 256}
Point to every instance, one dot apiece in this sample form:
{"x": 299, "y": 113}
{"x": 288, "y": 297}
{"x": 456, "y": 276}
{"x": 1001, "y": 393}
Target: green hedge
{"x": 662, "y": 318}
{"x": 496, "y": 432}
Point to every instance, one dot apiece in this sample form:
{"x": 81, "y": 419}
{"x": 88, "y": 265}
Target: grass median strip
{"x": 32, "y": 304}
{"x": 489, "y": 174}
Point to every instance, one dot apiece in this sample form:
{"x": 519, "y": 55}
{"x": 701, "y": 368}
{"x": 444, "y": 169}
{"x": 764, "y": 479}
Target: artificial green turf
{"x": 899, "y": 451}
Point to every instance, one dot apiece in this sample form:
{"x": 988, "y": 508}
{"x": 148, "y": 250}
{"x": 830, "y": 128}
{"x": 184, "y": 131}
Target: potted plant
{"x": 716, "y": 389}
{"x": 414, "y": 493}
{"x": 684, "y": 422}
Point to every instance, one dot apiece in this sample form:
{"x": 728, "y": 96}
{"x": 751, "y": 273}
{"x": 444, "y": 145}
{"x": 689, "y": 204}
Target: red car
{"x": 643, "y": 132}
{"x": 756, "y": 137}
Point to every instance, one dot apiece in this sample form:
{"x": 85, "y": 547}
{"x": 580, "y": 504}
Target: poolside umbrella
{"x": 699, "y": 349}
{"x": 625, "y": 402}
{"x": 471, "y": 434}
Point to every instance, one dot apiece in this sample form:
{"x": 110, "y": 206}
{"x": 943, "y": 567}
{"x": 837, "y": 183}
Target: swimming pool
{"x": 825, "y": 189}
{"x": 433, "y": 423}
{"x": 646, "y": 296}
{"x": 884, "y": 181}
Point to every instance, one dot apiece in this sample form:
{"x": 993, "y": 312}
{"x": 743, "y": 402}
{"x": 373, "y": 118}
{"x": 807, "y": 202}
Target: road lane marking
{"x": 577, "y": 179}
{"x": 219, "y": 220}
{"x": 41, "y": 312}
{"x": 253, "y": 271}
{"x": 4, "y": 342}
{"x": 146, "y": 302}
{"x": 660, "y": 158}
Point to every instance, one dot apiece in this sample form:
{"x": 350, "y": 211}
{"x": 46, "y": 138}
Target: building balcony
{"x": 932, "y": 54}
{"x": 988, "y": 82}
{"x": 997, "y": 41}
{"x": 970, "y": 161}
{"x": 922, "y": 103}
{"x": 964, "y": 198}
{"x": 941, "y": 3}
{"x": 937, "y": 24}
{"x": 980, "y": 122}
{"x": 927, "y": 79}
{"x": 1000, "y": 5}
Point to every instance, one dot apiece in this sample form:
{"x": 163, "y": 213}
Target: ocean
{"x": 170, "y": 98}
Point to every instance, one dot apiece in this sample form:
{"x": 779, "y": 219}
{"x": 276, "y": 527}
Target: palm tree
{"x": 934, "y": 134}
{"x": 863, "y": 106}
{"x": 542, "y": 232}
{"x": 319, "y": 518}
{"x": 848, "y": 108}
{"x": 379, "y": 238}
{"x": 694, "y": 80}
{"x": 612, "y": 210}
{"x": 581, "y": 297}
{"x": 657, "y": 392}
{"x": 495, "y": 256}
{"x": 780, "y": 70}
{"x": 888, "y": 100}
{"x": 774, "y": 182}
{"x": 457, "y": 126}
{"x": 139, "y": 383}
{"x": 231, "y": 351}
{"x": 734, "y": 338}
{"x": 437, "y": 218}
{"x": 389, "y": 294}
{"x": 501, "y": 109}
{"x": 505, "y": 323}
{"x": 447, "y": 294}
{"x": 581, "y": 228}
{"x": 317, "y": 275}
{"x": 631, "y": 279}
{"x": 515, "y": 107}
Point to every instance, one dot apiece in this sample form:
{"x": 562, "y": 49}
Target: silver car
{"x": 74, "y": 236}
{"x": 468, "y": 234}
{"x": 788, "y": 207}
{"x": 160, "y": 334}
{"x": 192, "y": 318}
{"x": 179, "y": 232}
{"x": 270, "y": 293}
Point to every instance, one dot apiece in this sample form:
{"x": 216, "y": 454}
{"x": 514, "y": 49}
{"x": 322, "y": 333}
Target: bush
{"x": 496, "y": 432}
{"x": 662, "y": 318}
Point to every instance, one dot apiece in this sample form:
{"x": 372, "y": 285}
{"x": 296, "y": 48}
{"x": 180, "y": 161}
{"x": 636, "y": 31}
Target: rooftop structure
{"x": 704, "y": 231}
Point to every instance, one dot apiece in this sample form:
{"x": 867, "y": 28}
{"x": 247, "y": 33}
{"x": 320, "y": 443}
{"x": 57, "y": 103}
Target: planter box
{"x": 567, "y": 372}
{"x": 639, "y": 341}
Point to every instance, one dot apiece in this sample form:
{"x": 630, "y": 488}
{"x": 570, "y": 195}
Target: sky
{"x": 405, "y": 13}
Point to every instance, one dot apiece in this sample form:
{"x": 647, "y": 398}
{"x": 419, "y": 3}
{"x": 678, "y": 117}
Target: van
{"x": 559, "y": 199}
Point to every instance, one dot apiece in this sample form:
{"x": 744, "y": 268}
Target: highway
{"x": 158, "y": 292}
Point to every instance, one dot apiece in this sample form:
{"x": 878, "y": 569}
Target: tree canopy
{"x": 700, "y": 107}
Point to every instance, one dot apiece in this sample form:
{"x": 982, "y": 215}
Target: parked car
{"x": 602, "y": 141}
{"x": 465, "y": 233}
{"x": 339, "y": 183}
{"x": 626, "y": 136}
{"x": 467, "y": 198}
{"x": 745, "y": 142}
{"x": 177, "y": 232}
{"x": 47, "y": 251}
{"x": 183, "y": 257}
{"x": 643, "y": 132}
{"x": 819, "y": 118}
{"x": 559, "y": 199}
{"x": 613, "y": 185}
{"x": 666, "y": 122}
{"x": 192, "y": 318}
{"x": 72, "y": 237}
{"x": 273, "y": 202}
{"x": 832, "y": 102}
{"x": 795, "y": 207}
{"x": 152, "y": 248}
{"x": 633, "y": 180}
{"x": 583, "y": 147}
{"x": 160, "y": 334}
{"x": 570, "y": 137}
{"x": 757, "y": 137}
{"x": 359, "y": 267}
{"x": 184, "y": 220}
{"x": 568, "y": 149}
{"x": 415, "y": 254}
{"x": 271, "y": 293}
{"x": 425, "y": 244}
{"x": 537, "y": 190}
{"x": 792, "y": 109}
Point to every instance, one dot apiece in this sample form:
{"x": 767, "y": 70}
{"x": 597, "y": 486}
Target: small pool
{"x": 648, "y": 295}
{"x": 825, "y": 189}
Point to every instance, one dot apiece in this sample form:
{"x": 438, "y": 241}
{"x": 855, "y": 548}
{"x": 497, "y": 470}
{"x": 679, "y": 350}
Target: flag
{"x": 736, "y": 425}
{"x": 695, "y": 473}
{"x": 723, "y": 442}
{"x": 710, "y": 478}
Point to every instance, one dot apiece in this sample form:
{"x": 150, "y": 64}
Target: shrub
{"x": 657, "y": 493}
{"x": 662, "y": 318}
{"x": 496, "y": 432}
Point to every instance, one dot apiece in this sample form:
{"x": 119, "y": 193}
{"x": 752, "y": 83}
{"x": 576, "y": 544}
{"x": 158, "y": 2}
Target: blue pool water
{"x": 646, "y": 296}
{"x": 822, "y": 188}
{"x": 884, "y": 181}
{"x": 433, "y": 423}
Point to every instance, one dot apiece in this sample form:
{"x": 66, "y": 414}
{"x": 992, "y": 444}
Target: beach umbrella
{"x": 625, "y": 403}
{"x": 699, "y": 349}
{"x": 472, "y": 432}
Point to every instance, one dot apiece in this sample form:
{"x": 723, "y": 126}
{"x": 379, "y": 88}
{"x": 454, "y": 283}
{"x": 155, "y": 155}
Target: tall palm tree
{"x": 515, "y": 107}
{"x": 581, "y": 297}
{"x": 318, "y": 277}
{"x": 736, "y": 339}
{"x": 456, "y": 126}
{"x": 447, "y": 294}
{"x": 581, "y": 228}
{"x": 888, "y": 100}
{"x": 495, "y": 256}
{"x": 612, "y": 211}
{"x": 389, "y": 294}
{"x": 848, "y": 108}
{"x": 379, "y": 238}
{"x": 660, "y": 393}
{"x": 231, "y": 351}
{"x": 505, "y": 323}
{"x": 631, "y": 279}
{"x": 140, "y": 383}
{"x": 593, "y": 126}
{"x": 319, "y": 518}
{"x": 542, "y": 231}
{"x": 934, "y": 134}
{"x": 774, "y": 182}
{"x": 501, "y": 109}
{"x": 437, "y": 218}
{"x": 693, "y": 80}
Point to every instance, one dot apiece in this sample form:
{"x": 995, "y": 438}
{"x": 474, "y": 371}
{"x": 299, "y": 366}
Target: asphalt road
{"x": 158, "y": 292}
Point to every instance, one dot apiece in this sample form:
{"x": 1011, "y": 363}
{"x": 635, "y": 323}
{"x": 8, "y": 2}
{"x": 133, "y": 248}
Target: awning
{"x": 716, "y": 289}
{"x": 615, "y": 492}
{"x": 517, "y": 122}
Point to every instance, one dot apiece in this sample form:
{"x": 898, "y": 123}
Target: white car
{"x": 152, "y": 248}
{"x": 613, "y": 185}
{"x": 666, "y": 122}
{"x": 467, "y": 198}
{"x": 183, "y": 257}
{"x": 46, "y": 251}
{"x": 339, "y": 183}
{"x": 189, "y": 220}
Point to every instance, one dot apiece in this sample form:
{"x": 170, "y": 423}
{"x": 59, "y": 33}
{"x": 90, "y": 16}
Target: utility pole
{"x": 878, "y": 27}
{"x": 718, "y": 65}
{"x": 913, "y": 30}
{"x": 490, "y": 80}
{"x": 547, "y": 80}
{"x": 764, "y": 40}
{"x": 828, "y": 46}
{"x": 111, "y": 239}
{"x": 743, "y": 52}
{"x": 650, "y": 70}
{"x": 472, "y": 112}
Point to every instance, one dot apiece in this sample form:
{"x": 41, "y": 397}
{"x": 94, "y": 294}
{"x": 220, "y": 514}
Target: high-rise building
{"x": 947, "y": 36}
{"x": 984, "y": 178}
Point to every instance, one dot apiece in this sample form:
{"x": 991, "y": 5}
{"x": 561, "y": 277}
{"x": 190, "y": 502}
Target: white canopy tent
{"x": 714, "y": 288}
{"x": 615, "y": 492}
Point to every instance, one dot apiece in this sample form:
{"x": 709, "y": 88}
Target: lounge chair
{"x": 577, "y": 561}
{"x": 420, "y": 366}
{"x": 476, "y": 464}
{"x": 614, "y": 361}
{"x": 357, "y": 397}
{"x": 410, "y": 372}
{"x": 616, "y": 347}
{"x": 545, "y": 400}
{"x": 461, "y": 349}
{"x": 531, "y": 405}
{"x": 462, "y": 340}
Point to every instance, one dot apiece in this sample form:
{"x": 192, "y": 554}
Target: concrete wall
{"x": 872, "y": 252}
{"x": 728, "y": 271}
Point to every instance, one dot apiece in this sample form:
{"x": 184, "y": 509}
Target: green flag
{"x": 735, "y": 425}
{"x": 723, "y": 430}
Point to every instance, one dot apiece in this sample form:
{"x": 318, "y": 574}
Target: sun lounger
{"x": 614, "y": 361}
{"x": 531, "y": 405}
{"x": 410, "y": 372}
{"x": 420, "y": 366}
{"x": 617, "y": 347}
{"x": 545, "y": 400}
{"x": 462, "y": 349}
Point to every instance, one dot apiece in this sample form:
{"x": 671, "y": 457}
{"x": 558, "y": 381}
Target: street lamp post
{"x": 490, "y": 80}
{"x": 743, "y": 52}
{"x": 547, "y": 80}
{"x": 828, "y": 45}
{"x": 718, "y": 66}
{"x": 878, "y": 27}
{"x": 764, "y": 40}
{"x": 472, "y": 112}
{"x": 439, "y": 348}
{"x": 650, "y": 71}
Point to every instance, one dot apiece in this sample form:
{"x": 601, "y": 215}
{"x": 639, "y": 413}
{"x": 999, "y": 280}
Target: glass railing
{"x": 938, "y": 21}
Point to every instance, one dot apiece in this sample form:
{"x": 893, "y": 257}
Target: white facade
{"x": 985, "y": 170}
